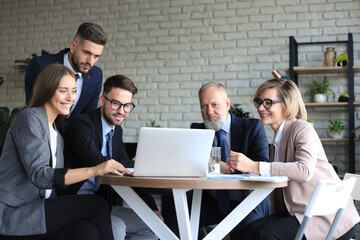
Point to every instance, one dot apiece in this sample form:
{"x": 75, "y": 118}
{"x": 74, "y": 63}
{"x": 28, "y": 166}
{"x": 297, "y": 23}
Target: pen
{"x": 232, "y": 170}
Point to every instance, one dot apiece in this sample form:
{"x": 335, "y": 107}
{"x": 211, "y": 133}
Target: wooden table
{"x": 189, "y": 226}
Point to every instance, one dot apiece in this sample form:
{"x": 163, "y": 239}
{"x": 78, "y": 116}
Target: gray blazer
{"x": 25, "y": 173}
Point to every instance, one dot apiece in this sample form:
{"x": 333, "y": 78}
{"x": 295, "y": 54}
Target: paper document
{"x": 247, "y": 177}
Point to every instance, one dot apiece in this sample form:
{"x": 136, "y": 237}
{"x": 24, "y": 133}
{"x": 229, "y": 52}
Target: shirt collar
{"x": 227, "y": 123}
{"x": 67, "y": 63}
{"x": 105, "y": 127}
{"x": 278, "y": 135}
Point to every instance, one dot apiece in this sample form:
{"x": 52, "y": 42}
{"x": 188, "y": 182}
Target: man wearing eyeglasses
{"x": 94, "y": 137}
{"x": 231, "y": 134}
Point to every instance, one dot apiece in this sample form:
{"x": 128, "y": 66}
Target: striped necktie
{"x": 109, "y": 136}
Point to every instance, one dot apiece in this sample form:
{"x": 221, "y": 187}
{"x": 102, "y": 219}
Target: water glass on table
{"x": 215, "y": 159}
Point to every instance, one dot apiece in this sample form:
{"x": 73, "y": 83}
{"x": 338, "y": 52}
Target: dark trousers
{"x": 276, "y": 226}
{"x": 209, "y": 214}
{"x": 74, "y": 217}
{"x": 279, "y": 226}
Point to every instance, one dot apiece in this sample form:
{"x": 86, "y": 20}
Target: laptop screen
{"x": 173, "y": 152}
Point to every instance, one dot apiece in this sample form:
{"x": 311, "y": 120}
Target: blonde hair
{"x": 290, "y": 96}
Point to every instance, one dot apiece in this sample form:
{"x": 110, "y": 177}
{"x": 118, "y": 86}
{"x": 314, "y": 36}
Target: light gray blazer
{"x": 25, "y": 173}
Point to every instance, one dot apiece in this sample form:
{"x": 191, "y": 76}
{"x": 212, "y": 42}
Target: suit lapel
{"x": 236, "y": 133}
{"x": 59, "y": 149}
{"x": 98, "y": 127}
{"x": 285, "y": 139}
{"x": 45, "y": 124}
{"x": 115, "y": 141}
{"x": 59, "y": 58}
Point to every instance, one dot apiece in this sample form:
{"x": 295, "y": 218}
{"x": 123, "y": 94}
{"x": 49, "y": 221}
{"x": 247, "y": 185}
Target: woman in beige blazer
{"x": 297, "y": 154}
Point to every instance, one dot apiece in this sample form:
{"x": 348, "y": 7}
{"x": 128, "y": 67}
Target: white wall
{"x": 170, "y": 48}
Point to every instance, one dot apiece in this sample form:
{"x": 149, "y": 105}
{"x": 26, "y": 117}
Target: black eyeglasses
{"x": 267, "y": 103}
{"x": 116, "y": 105}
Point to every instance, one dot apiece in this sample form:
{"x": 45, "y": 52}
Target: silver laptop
{"x": 173, "y": 152}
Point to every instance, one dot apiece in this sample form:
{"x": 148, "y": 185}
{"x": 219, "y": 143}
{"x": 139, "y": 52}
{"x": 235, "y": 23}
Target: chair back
{"x": 356, "y": 191}
{"x": 329, "y": 197}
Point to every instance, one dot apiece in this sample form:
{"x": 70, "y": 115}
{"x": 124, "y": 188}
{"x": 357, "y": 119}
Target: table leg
{"x": 239, "y": 213}
{"x": 145, "y": 212}
{"x": 182, "y": 213}
{"x": 195, "y": 212}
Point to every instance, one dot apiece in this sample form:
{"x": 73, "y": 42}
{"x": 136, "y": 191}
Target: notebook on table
{"x": 173, "y": 152}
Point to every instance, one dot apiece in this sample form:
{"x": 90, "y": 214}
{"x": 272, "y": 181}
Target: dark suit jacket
{"x": 248, "y": 137}
{"x": 83, "y": 142}
{"x": 91, "y": 86}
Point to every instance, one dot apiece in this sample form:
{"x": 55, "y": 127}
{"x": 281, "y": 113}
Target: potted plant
{"x": 23, "y": 63}
{"x": 320, "y": 90}
{"x": 344, "y": 97}
{"x": 6, "y": 118}
{"x": 342, "y": 60}
{"x": 336, "y": 128}
{"x": 238, "y": 111}
{"x": 153, "y": 124}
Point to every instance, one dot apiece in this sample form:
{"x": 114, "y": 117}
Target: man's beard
{"x": 76, "y": 65}
{"x": 217, "y": 125}
{"x": 107, "y": 117}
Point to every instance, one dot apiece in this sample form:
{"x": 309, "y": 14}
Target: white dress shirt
{"x": 265, "y": 167}
{"x": 53, "y": 145}
{"x": 79, "y": 82}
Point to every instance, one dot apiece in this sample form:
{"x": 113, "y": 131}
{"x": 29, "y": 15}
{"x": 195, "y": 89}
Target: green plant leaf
{"x": 238, "y": 111}
{"x": 23, "y": 63}
{"x": 342, "y": 57}
{"x": 153, "y": 124}
{"x": 6, "y": 118}
{"x": 322, "y": 88}
{"x": 336, "y": 126}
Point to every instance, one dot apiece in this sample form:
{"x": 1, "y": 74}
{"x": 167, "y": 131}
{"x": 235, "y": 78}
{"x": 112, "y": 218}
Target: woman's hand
{"x": 159, "y": 215}
{"x": 110, "y": 166}
{"x": 224, "y": 168}
{"x": 242, "y": 163}
{"x": 80, "y": 174}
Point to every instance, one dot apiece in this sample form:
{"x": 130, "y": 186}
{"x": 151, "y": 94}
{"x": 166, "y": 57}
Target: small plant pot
{"x": 319, "y": 98}
{"x": 342, "y": 63}
{"x": 338, "y": 135}
{"x": 343, "y": 99}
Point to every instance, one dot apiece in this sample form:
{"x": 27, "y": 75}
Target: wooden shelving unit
{"x": 295, "y": 70}
{"x": 337, "y": 140}
{"x": 330, "y": 104}
{"x": 322, "y": 70}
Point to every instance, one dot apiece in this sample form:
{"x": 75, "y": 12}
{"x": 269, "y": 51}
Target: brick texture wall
{"x": 169, "y": 48}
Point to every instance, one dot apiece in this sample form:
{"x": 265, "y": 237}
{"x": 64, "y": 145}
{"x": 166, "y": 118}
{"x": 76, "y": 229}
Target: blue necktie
{"x": 109, "y": 136}
{"x": 77, "y": 76}
{"x": 222, "y": 195}
{"x": 221, "y": 143}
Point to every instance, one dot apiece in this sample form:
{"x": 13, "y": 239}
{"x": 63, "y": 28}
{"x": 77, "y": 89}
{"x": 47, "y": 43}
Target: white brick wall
{"x": 169, "y": 48}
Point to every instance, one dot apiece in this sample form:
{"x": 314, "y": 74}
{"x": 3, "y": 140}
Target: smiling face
{"x": 63, "y": 98}
{"x": 115, "y": 117}
{"x": 215, "y": 105}
{"x": 84, "y": 54}
{"x": 275, "y": 115}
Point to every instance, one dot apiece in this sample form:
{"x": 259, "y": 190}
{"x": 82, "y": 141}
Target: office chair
{"x": 329, "y": 197}
{"x": 356, "y": 191}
